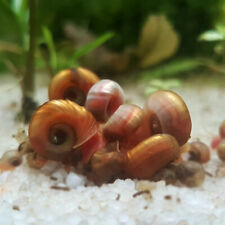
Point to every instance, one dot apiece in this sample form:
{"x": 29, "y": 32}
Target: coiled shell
{"x": 126, "y": 119}
{"x": 58, "y": 127}
{"x": 72, "y": 84}
{"x": 169, "y": 114}
{"x": 104, "y": 98}
{"x": 150, "y": 155}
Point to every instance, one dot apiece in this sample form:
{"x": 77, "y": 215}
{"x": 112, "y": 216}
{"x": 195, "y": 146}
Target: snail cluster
{"x": 86, "y": 124}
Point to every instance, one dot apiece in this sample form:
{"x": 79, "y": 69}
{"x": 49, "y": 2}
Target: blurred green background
{"x": 156, "y": 38}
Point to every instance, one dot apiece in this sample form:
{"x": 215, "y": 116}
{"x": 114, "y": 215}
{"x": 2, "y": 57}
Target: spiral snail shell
{"x": 126, "y": 119}
{"x": 60, "y": 126}
{"x": 72, "y": 84}
{"x": 169, "y": 114}
{"x": 151, "y": 155}
{"x": 103, "y": 99}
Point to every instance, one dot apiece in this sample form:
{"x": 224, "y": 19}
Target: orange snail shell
{"x": 60, "y": 126}
{"x": 104, "y": 98}
{"x": 151, "y": 155}
{"x": 169, "y": 114}
{"x": 72, "y": 84}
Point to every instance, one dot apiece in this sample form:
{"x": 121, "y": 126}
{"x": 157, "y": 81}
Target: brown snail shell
{"x": 58, "y": 127}
{"x": 221, "y": 150}
{"x": 169, "y": 114}
{"x": 199, "y": 152}
{"x": 222, "y": 130}
{"x": 104, "y": 98}
{"x": 126, "y": 119}
{"x": 150, "y": 155}
{"x": 72, "y": 84}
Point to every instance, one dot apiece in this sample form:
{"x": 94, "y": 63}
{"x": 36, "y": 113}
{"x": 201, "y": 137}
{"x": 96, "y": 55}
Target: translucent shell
{"x": 126, "y": 119}
{"x": 60, "y": 126}
{"x": 104, "y": 98}
{"x": 10, "y": 160}
{"x": 150, "y": 155}
{"x": 169, "y": 114}
{"x": 199, "y": 152}
{"x": 72, "y": 84}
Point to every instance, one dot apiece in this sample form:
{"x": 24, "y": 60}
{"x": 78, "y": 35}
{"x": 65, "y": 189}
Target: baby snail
{"x": 103, "y": 99}
{"x": 72, "y": 84}
{"x": 198, "y": 151}
{"x": 169, "y": 114}
{"x": 10, "y": 160}
{"x": 190, "y": 173}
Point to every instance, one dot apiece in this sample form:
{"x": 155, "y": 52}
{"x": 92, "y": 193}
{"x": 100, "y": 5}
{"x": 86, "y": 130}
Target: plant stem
{"x": 28, "y": 79}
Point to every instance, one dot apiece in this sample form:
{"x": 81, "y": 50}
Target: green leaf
{"x": 10, "y": 29}
{"x": 51, "y": 47}
{"x": 172, "y": 69}
{"x": 84, "y": 50}
{"x": 211, "y": 35}
{"x": 162, "y": 84}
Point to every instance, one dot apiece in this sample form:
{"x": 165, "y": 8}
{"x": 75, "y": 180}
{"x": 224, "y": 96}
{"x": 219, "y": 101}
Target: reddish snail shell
{"x": 126, "y": 119}
{"x": 104, "y": 98}
{"x": 169, "y": 114}
{"x": 151, "y": 155}
{"x": 58, "y": 127}
{"x": 72, "y": 84}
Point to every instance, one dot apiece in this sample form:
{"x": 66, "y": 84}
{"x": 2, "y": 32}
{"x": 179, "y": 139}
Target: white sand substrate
{"x": 26, "y": 196}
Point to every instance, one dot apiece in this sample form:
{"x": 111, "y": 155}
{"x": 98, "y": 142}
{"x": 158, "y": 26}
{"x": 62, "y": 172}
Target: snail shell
{"x": 150, "y": 155}
{"x": 104, "y": 98}
{"x": 169, "y": 114}
{"x": 10, "y": 160}
{"x": 58, "y": 127}
{"x": 199, "y": 152}
{"x": 126, "y": 119}
{"x": 222, "y": 130}
{"x": 72, "y": 84}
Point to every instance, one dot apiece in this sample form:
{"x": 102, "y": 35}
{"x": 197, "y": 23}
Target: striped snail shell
{"x": 104, "y": 98}
{"x": 169, "y": 114}
{"x": 126, "y": 119}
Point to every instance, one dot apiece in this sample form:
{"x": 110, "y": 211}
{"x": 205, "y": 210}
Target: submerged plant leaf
{"x": 211, "y": 35}
{"x": 172, "y": 69}
{"x": 10, "y": 29}
{"x": 51, "y": 47}
{"x": 84, "y": 50}
{"x": 162, "y": 84}
{"x": 158, "y": 41}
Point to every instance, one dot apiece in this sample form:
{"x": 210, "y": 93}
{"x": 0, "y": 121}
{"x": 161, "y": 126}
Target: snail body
{"x": 169, "y": 114}
{"x": 60, "y": 126}
{"x": 72, "y": 84}
{"x": 103, "y": 99}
